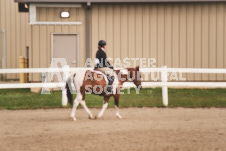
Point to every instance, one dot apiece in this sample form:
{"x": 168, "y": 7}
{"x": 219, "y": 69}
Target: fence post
{"x": 22, "y": 65}
{"x": 66, "y": 75}
{"x": 44, "y": 80}
{"x": 164, "y": 87}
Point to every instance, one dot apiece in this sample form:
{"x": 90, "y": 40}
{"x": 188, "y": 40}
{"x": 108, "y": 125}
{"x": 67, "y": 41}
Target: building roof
{"x": 111, "y": 1}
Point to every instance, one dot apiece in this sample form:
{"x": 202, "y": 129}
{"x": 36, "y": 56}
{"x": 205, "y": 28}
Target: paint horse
{"x": 95, "y": 82}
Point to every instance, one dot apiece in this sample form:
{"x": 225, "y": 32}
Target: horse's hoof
{"x": 90, "y": 117}
{"x": 119, "y": 117}
{"x": 97, "y": 117}
{"x": 74, "y": 119}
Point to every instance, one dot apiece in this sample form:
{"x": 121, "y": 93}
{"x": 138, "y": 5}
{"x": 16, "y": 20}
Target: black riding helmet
{"x": 102, "y": 43}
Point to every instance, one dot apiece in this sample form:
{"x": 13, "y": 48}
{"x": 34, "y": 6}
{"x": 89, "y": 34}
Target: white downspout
{"x": 3, "y": 53}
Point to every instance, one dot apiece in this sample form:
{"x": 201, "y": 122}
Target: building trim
{"x": 32, "y": 14}
{"x": 57, "y": 5}
{"x": 54, "y": 23}
{"x": 112, "y": 1}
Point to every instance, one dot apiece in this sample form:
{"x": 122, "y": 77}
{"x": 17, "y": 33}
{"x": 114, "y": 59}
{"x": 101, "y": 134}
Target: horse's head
{"x": 134, "y": 75}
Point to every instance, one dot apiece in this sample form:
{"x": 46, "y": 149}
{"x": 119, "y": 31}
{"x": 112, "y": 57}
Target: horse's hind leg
{"x": 75, "y": 105}
{"x": 83, "y": 103}
{"x": 78, "y": 100}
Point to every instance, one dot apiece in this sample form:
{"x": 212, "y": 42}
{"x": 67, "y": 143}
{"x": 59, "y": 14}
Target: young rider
{"x": 102, "y": 64}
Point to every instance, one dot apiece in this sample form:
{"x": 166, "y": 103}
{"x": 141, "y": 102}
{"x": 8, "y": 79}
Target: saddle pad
{"x": 99, "y": 72}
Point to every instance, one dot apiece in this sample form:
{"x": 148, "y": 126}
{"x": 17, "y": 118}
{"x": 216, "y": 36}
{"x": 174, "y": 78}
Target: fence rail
{"x": 178, "y": 70}
{"x": 164, "y": 83}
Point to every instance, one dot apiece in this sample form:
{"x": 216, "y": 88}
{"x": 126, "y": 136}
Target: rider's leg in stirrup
{"x": 109, "y": 87}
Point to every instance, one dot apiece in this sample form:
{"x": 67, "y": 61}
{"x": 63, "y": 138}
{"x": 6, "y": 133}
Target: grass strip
{"x": 151, "y": 97}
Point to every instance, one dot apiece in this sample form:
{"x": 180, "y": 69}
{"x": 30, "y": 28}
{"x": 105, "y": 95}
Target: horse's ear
{"x": 137, "y": 68}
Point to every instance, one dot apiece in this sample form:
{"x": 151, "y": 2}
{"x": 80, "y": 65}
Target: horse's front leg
{"x": 116, "y": 105}
{"x": 104, "y": 107}
{"x": 83, "y": 103}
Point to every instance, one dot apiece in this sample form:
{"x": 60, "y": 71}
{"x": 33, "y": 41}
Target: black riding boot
{"x": 109, "y": 87}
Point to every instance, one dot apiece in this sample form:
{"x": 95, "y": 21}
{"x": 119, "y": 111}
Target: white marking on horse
{"x": 75, "y": 105}
{"x": 104, "y": 107}
{"x": 78, "y": 80}
{"x": 83, "y": 103}
{"x": 117, "y": 112}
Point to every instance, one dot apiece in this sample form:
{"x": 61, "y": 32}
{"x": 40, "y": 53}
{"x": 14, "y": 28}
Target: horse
{"x": 95, "y": 82}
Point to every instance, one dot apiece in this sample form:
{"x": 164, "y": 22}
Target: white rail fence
{"x": 164, "y": 76}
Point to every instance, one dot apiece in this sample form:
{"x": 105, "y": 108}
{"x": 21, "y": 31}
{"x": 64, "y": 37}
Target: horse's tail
{"x": 69, "y": 89}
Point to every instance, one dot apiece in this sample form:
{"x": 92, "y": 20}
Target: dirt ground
{"x": 140, "y": 129}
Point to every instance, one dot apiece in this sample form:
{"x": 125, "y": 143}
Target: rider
{"x": 102, "y": 64}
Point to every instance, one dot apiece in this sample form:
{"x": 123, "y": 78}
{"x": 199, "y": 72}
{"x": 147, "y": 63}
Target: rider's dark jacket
{"x": 101, "y": 60}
